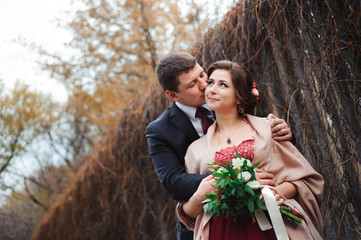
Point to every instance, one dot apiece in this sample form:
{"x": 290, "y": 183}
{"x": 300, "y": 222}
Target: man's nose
{"x": 203, "y": 84}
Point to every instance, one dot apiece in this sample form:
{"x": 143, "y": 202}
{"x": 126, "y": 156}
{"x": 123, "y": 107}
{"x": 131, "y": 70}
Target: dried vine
{"x": 305, "y": 56}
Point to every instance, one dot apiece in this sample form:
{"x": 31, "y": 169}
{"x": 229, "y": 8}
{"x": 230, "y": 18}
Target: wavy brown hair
{"x": 242, "y": 81}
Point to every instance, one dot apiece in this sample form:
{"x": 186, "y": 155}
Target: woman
{"x": 232, "y": 95}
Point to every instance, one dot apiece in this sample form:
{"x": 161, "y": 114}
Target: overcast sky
{"x": 36, "y": 21}
{"x": 31, "y": 21}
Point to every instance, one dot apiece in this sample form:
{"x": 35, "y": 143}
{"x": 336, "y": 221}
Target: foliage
{"x": 237, "y": 192}
{"x": 24, "y": 115}
{"x": 305, "y": 58}
{"x": 117, "y": 45}
{"x": 234, "y": 193}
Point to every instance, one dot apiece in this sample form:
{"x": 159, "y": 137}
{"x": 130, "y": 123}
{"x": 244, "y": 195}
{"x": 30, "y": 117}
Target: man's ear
{"x": 172, "y": 95}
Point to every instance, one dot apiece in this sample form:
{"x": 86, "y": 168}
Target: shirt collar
{"x": 190, "y": 111}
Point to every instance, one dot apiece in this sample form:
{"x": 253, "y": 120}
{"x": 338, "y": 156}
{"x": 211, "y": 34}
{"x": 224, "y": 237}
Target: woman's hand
{"x": 205, "y": 187}
{"x": 280, "y": 129}
{"x": 194, "y": 206}
{"x": 264, "y": 178}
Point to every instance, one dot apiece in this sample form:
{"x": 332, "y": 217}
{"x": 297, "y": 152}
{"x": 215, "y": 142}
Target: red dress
{"x": 226, "y": 228}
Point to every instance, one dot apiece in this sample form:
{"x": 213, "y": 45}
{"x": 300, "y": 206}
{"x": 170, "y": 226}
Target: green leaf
{"x": 220, "y": 183}
{"x": 254, "y": 166}
{"x": 241, "y": 193}
{"x": 224, "y": 197}
{"x": 217, "y": 175}
{"x": 250, "y": 205}
{"x": 249, "y": 190}
{"x": 261, "y": 204}
{"x": 237, "y": 154}
{"x": 241, "y": 180}
{"x": 212, "y": 195}
{"x": 225, "y": 206}
{"x": 231, "y": 171}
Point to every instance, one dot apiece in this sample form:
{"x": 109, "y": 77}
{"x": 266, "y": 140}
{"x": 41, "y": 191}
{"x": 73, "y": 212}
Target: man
{"x": 169, "y": 136}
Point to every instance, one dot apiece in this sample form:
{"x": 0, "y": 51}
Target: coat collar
{"x": 182, "y": 122}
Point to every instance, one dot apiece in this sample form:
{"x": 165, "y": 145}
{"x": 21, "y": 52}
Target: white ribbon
{"x": 274, "y": 213}
{"x": 262, "y": 221}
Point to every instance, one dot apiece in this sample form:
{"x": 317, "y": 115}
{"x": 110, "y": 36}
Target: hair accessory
{"x": 255, "y": 92}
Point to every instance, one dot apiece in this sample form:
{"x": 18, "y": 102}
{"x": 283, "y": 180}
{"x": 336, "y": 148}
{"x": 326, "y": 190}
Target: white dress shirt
{"x": 191, "y": 114}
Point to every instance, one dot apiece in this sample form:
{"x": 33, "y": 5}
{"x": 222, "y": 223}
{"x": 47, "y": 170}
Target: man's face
{"x": 191, "y": 87}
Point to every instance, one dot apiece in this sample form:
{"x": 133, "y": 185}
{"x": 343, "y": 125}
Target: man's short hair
{"x": 171, "y": 67}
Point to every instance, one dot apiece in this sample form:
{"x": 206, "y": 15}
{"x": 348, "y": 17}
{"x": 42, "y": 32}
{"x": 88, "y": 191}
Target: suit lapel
{"x": 182, "y": 122}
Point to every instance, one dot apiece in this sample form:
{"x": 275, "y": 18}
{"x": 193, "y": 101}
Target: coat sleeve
{"x": 289, "y": 165}
{"x": 170, "y": 169}
{"x": 191, "y": 165}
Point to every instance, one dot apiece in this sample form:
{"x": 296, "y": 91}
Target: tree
{"x": 23, "y": 209}
{"x": 118, "y": 44}
{"x": 24, "y": 115}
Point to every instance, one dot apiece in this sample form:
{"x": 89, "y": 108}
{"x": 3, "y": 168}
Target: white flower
{"x": 246, "y": 175}
{"x": 254, "y": 184}
{"x": 237, "y": 163}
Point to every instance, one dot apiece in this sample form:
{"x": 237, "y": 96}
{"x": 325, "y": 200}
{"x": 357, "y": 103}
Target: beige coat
{"x": 282, "y": 159}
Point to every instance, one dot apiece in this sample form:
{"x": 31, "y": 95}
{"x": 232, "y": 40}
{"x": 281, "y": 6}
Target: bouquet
{"x": 237, "y": 191}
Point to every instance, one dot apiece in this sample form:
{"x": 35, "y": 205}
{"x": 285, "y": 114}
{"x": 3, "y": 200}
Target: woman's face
{"x": 220, "y": 92}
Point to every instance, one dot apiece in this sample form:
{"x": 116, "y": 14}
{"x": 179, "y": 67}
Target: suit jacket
{"x": 168, "y": 139}
{"x": 283, "y": 160}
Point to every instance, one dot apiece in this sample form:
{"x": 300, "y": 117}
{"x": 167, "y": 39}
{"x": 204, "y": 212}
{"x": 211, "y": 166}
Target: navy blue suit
{"x": 168, "y": 139}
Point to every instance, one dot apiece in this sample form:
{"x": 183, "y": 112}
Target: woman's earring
{"x": 240, "y": 110}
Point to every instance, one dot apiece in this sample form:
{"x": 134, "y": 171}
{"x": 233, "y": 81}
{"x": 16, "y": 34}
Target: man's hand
{"x": 280, "y": 129}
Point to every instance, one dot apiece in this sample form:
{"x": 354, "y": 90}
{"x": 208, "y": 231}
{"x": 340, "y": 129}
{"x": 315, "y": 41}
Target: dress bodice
{"x": 229, "y": 228}
{"x": 245, "y": 150}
